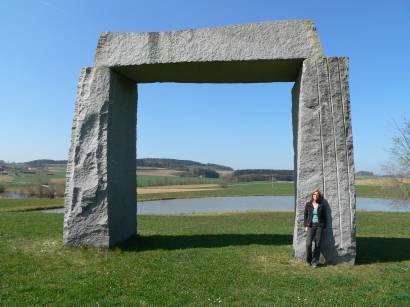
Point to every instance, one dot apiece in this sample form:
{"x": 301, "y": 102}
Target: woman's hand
{"x": 306, "y": 229}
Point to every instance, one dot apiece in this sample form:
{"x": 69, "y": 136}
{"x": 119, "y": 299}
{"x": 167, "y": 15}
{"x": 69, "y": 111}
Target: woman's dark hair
{"x": 319, "y": 200}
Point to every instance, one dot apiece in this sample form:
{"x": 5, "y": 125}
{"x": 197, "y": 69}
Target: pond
{"x": 243, "y": 204}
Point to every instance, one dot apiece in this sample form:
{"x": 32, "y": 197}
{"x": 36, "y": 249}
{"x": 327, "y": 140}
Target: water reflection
{"x": 251, "y": 203}
{"x": 243, "y": 204}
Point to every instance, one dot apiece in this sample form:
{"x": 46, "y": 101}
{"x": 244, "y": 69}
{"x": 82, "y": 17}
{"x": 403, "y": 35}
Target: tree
{"x": 205, "y": 172}
{"x": 398, "y": 166}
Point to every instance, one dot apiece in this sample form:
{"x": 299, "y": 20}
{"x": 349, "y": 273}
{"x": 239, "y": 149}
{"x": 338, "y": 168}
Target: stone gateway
{"x": 100, "y": 196}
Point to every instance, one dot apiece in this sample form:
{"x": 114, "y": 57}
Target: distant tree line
{"x": 199, "y": 172}
{"x": 364, "y": 173}
{"x": 45, "y": 162}
{"x": 246, "y": 175}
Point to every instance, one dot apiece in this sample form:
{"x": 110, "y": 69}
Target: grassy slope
{"x": 26, "y": 183}
{"x": 28, "y": 204}
{"x": 231, "y": 259}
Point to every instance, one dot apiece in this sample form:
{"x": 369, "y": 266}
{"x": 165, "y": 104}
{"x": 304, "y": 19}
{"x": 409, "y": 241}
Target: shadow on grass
{"x": 369, "y": 249}
{"x": 142, "y": 243}
{"x": 379, "y": 249}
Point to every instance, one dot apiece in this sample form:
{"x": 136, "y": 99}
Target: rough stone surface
{"x": 260, "y": 52}
{"x": 323, "y": 155}
{"x": 100, "y": 195}
{"x": 100, "y": 199}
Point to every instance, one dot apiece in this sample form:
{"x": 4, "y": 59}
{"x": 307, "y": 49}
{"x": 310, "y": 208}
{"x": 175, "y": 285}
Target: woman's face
{"x": 315, "y": 196}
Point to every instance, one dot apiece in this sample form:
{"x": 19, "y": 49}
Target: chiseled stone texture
{"x": 100, "y": 203}
{"x": 259, "y": 52}
{"x": 100, "y": 200}
{"x": 257, "y": 41}
{"x": 323, "y": 149}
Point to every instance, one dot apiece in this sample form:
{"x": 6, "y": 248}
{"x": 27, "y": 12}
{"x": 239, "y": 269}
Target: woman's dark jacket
{"x": 321, "y": 214}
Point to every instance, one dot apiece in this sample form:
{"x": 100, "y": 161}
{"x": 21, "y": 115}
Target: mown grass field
{"x": 200, "y": 260}
{"x": 29, "y": 204}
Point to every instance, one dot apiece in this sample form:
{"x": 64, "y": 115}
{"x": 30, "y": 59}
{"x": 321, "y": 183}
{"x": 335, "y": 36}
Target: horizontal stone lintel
{"x": 279, "y": 40}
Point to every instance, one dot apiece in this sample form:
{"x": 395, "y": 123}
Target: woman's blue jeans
{"x": 314, "y": 233}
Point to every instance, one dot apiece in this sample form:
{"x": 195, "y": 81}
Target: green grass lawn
{"x": 28, "y": 204}
{"x": 200, "y": 260}
{"x": 372, "y": 191}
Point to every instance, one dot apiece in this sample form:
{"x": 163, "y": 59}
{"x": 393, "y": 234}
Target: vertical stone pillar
{"x": 100, "y": 196}
{"x": 323, "y": 149}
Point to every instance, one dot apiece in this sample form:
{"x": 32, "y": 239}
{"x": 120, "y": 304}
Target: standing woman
{"x": 315, "y": 222}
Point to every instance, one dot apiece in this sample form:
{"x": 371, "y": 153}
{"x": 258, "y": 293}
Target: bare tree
{"x": 398, "y": 166}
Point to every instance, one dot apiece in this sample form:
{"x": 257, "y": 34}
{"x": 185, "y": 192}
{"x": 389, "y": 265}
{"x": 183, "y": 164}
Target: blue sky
{"x": 45, "y": 43}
